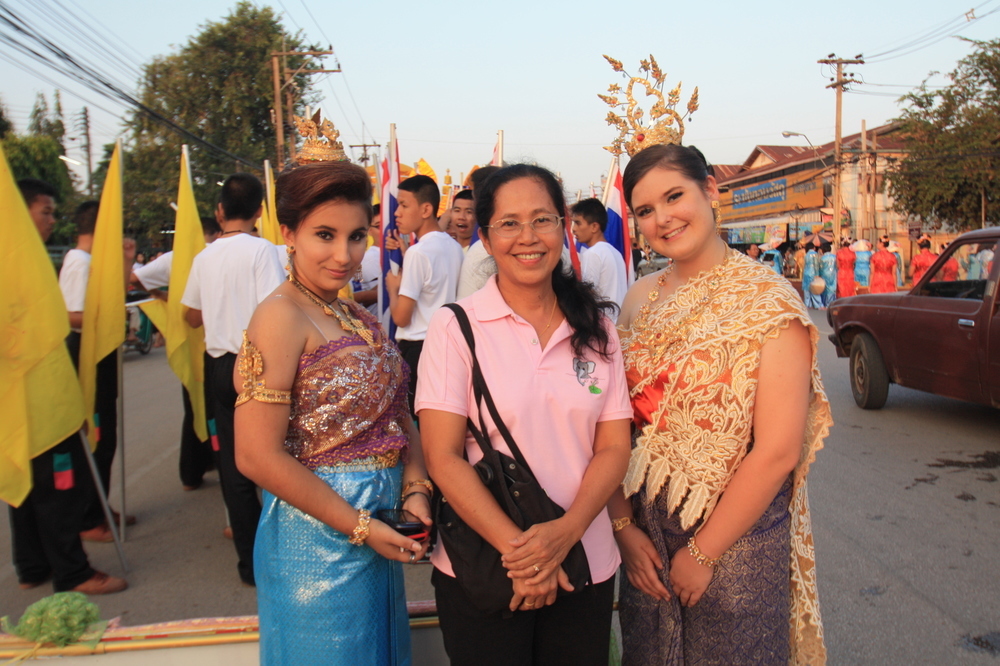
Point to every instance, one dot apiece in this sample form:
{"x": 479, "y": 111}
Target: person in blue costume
{"x": 772, "y": 257}
{"x": 809, "y": 273}
{"x": 862, "y": 263}
{"x": 828, "y": 271}
{"x": 323, "y": 426}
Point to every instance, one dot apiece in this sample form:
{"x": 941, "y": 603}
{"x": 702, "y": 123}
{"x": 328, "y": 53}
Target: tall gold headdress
{"x": 321, "y": 144}
{"x": 633, "y": 135}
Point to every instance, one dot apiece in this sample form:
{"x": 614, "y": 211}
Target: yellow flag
{"x": 104, "y": 308}
{"x": 424, "y": 169}
{"x": 40, "y": 399}
{"x": 186, "y": 345}
{"x": 268, "y": 223}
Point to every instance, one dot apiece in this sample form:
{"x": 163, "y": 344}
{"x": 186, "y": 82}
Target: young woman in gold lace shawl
{"x": 729, "y": 410}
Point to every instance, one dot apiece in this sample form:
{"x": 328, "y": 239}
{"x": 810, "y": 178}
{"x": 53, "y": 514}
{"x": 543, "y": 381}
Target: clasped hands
{"x": 643, "y": 565}
{"x": 535, "y": 564}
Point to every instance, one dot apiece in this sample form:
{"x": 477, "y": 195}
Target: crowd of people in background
{"x": 858, "y": 266}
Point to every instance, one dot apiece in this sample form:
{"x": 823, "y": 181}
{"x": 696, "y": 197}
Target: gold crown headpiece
{"x": 321, "y": 144}
{"x": 634, "y": 136}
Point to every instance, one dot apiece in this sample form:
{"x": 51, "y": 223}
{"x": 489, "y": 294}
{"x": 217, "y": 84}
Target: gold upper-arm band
{"x": 251, "y": 367}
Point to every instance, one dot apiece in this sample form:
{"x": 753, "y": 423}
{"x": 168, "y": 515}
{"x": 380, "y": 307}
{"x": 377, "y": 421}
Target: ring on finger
{"x": 536, "y": 568}
{"x": 413, "y": 557}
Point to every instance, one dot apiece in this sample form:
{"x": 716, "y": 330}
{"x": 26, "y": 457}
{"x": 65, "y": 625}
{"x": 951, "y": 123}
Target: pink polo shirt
{"x": 549, "y": 402}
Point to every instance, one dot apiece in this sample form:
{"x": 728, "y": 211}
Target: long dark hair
{"x": 577, "y": 300}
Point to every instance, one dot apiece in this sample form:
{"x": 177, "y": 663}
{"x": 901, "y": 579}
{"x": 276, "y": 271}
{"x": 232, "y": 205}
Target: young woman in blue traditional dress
{"x": 322, "y": 425}
{"x": 729, "y": 412}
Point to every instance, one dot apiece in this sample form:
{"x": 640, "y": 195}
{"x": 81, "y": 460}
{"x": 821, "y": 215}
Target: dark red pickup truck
{"x": 943, "y": 336}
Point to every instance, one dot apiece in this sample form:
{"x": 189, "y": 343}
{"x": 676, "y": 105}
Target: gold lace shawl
{"x": 700, "y": 430}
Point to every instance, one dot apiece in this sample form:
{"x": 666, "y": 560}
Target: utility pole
{"x": 83, "y": 124}
{"x": 364, "y": 151}
{"x": 839, "y": 83}
{"x": 280, "y": 83}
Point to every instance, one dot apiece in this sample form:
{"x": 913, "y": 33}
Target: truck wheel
{"x": 869, "y": 379}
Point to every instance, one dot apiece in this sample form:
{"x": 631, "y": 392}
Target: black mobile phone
{"x": 404, "y": 522}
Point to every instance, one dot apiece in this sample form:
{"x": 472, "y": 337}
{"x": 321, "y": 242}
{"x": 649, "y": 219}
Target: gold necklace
{"x": 661, "y": 339}
{"x": 347, "y": 321}
{"x": 551, "y": 313}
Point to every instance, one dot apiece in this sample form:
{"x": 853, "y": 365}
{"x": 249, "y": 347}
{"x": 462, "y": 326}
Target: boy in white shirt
{"x": 228, "y": 279}
{"x": 429, "y": 277}
{"x": 601, "y": 265}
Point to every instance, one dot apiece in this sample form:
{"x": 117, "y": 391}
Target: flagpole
{"x": 608, "y": 181}
{"x": 121, "y": 404}
{"x": 500, "y": 152}
{"x": 104, "y": 497}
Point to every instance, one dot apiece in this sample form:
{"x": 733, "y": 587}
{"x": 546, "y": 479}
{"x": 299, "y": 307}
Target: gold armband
{"x": 426, "y": 483}
{"x": 251, "y": 367}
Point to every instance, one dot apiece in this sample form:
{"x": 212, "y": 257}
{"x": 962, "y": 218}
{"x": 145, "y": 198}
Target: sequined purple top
{"x": 349, "y": 400}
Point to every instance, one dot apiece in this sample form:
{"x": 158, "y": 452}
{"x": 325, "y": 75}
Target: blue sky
{"x": 449, "y": 75}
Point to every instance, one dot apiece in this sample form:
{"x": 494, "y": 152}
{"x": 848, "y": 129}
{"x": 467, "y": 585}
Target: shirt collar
{"x": 490, "y": 306}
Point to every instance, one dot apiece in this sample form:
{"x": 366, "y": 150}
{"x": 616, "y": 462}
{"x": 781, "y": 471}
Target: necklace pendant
{"x": 328, "y": 311}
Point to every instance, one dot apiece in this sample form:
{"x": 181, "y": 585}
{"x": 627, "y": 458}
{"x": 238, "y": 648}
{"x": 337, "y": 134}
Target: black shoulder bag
{"x": 475, "y": 562}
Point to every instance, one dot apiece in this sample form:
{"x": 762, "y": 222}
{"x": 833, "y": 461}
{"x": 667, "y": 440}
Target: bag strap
{"x": 482, "y": 391}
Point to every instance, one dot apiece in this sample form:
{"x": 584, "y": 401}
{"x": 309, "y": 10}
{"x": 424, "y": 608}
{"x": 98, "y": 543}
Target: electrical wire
{"x": 950, "y": 28}
{"x": 93, "y": 79}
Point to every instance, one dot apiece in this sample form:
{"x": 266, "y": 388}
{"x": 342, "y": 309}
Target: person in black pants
{"x": 227, "y": 281}
{"x": 45, "y": 528}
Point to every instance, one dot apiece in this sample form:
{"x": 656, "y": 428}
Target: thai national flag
{"x": 391, "y": 259}
{"x": 617, "y": 232}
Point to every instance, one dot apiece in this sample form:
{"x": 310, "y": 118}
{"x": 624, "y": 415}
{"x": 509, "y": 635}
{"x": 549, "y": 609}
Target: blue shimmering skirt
{"x": 320, "y": 599}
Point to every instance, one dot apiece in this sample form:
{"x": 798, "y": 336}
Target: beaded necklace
{"x": 347, "y": 321}
{"x": 662, "y": 339}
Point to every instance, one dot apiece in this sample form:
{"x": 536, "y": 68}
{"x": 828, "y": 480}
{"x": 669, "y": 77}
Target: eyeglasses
{"x": 543, "y": 224}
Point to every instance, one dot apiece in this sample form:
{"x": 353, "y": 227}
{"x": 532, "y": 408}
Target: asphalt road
{"x": 907, "y": 545}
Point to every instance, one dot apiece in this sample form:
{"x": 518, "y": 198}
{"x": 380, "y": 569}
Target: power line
{"x": 948, "y": 29}
{"x": 93, "y": 79}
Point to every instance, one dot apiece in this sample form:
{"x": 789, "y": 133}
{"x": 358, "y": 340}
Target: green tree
{"x": 45, "y": 123}
{"x": 953, "y": 138}
{"x": 34, "y": 156}
{"x": 219, "y": 87}
{"x": 6, "y": 126}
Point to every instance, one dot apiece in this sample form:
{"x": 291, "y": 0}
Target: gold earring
{"x": 715, "y": 204}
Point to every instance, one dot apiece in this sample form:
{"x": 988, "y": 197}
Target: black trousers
{"x": 45, "y": 529}
{"x": 576, "y": 630}
{"x": 106, "y": 408}
{"x": 239, "y": 492}
{"x": 410, "y": 350}
{"x": 195, "y": 454}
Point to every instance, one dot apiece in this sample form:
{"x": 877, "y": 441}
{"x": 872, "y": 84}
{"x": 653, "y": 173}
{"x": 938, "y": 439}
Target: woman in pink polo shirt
{"x": 552, "y": 362}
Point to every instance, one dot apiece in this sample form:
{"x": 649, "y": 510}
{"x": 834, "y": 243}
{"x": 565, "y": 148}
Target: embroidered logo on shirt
{"x": 583, "y": 369}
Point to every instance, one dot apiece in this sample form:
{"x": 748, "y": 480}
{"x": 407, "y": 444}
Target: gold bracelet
{"x": 415, "y": 492}
{"x": 700, "y": 557}
{"x": 426, "y": 483}
{"x": 361, "y": 531}
{"x": 618, "y": 524}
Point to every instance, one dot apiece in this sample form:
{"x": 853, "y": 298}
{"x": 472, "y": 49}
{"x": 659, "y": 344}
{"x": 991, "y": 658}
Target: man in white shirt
{"x": 73, "y": 279}
{"x": 196, "y": 455}
{"x": 367, "y": 280}
{"x": 601, "y": 265}
{"x": 429, "y": 277}
{"x": 462, "y": 226}
{"x": 45, "y": 528}
{"x": 227, "y": 281}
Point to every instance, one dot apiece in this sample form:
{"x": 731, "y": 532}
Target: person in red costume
{"x": 949, "y": 272}
{"x": 883, "y": 269}
{"x": 845, "y": 271}
{"x": 924, "y": 259}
